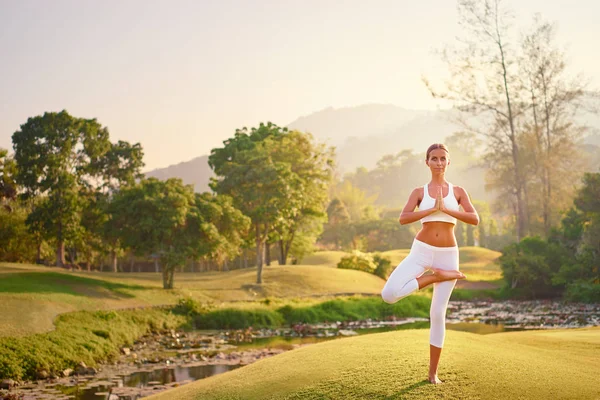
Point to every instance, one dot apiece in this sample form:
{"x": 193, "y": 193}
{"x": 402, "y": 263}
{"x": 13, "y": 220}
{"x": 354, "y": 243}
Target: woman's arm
{"x": 469, "y": 215}
{"x": 408, "y": 214}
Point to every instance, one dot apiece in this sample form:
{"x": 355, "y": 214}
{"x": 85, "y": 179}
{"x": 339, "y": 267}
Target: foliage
{"x": 189, "y": 306}
{"x": 384, "y": 266}
{"x": 359, "y": 261}
{"x": 568, "y": 259}
{"x": 167, "y": 219}
{"x": 279, "y": 180}
{"x": 351, "y": 309}
{"x": 531, "y": 264}
{"x": 82, "y": 336}
{"x": 18, "y": 243}
{"x": 525, "y": 105}
{"x": 60, "y": 160}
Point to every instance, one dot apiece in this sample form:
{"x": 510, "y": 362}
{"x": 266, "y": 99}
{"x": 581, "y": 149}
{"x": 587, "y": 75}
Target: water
{"x": 475, "y": 317}
{"x": 145, "y": 379}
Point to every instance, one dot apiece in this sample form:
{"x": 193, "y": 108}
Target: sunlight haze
{"x": 181, "y": 76}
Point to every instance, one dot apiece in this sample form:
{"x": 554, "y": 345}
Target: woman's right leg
{"x": 403, "y": 280}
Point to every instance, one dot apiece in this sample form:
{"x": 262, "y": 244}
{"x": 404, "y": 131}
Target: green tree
{"x": 8, "y": 188}
{"x": 530, "y": 265}
{"x": 303, "y": 208}
{"x": 55, "y": 155}
{"x": 262, "y": 186}
{"x": 167, "y": 219}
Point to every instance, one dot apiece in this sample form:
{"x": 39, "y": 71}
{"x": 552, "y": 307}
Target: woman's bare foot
{"x": 448, "y": 275}
{"x": 434, "y": 379}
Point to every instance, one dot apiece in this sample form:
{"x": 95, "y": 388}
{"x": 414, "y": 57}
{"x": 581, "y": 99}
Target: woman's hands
{"x": 439, "y": 201}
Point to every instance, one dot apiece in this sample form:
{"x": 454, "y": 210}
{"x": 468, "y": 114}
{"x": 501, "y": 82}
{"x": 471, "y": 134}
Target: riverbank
{"x": 393, "y": 365}
{"x": 162, "y": 361}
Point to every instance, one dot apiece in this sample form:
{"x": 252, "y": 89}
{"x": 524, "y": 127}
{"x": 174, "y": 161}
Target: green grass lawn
{"x": 557, "y": 364}
{"x": 32, "y": 296}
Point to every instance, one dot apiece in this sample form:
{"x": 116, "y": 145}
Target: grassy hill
{"x": 559, "y": 364}
{"x": 32, "y": 296}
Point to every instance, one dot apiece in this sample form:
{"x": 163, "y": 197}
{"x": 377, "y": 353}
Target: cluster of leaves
{"x": 568, "y": 262}
{"x": 279, "y": 179}
{"x": 373, "y": 263}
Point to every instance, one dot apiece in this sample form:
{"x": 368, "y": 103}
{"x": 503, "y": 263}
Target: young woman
{"x": 434, "y": 247}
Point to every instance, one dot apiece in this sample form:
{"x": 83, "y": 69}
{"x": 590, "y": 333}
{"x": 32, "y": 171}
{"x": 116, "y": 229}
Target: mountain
{"x": 195, "y": 172}
{"x": 364, "y": 134}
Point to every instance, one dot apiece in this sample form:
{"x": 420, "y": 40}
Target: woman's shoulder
{"x": 458, "y": 191}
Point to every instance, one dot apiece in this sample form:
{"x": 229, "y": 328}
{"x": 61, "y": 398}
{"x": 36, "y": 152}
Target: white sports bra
{"x": 428, "y": 202}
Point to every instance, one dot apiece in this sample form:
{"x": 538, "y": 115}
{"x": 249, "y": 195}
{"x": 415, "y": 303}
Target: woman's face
{"x": 438, "y": 161}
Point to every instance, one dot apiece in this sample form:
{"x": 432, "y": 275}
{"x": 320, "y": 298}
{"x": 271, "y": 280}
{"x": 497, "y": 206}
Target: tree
{"x": 338, "y": 220}
{"x": 62, "y": 161}
{"x": 517, "y": 96}
{"x": 483, "y": 81}
{"x": 54, "y": 155}
{"x": 262, "y": 186}
{"x": 166, "y": 218}
{"x": 8, "y": 188}
{"x": 553, "y": 106}
{"x": 304, "y": 205}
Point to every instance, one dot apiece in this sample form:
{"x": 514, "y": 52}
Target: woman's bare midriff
{"x": 438, "y": 234}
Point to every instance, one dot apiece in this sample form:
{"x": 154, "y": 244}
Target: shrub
{"x": 359, "y": 261}
{"x": 583, "y": 292}
{"x": 384, "y": 266}
{"x": 188, "y": 306}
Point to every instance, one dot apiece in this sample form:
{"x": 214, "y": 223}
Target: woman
{"x": 434, "y": 247}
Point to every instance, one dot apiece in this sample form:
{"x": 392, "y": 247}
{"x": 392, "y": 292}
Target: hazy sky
{"x": 181, "y": 76}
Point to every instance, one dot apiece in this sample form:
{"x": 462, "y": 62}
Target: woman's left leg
{"x": 447, "y": 259}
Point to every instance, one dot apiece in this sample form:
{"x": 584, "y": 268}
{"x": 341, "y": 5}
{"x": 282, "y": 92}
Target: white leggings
{"x": 403, "y": 282}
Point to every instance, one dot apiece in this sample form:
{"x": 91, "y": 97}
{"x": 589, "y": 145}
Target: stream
{"x": 163, "y": 361}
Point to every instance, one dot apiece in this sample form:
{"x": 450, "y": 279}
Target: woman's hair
{"x": 436, "y": 146}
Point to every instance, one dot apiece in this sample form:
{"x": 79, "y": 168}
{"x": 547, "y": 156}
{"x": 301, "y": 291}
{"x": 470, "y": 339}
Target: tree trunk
{"x": 60, "y": 253}
{"x": 225, "y": 265}
{"x": 39, "y": 253}
{"x": 168, "y": 273}
{"x": 282, "y": 255}
{"x": 115, "y": 266}
{"x": 156, "y": 268}
{"x": 245, "y": 258}
{"x": 267, "y": 254}
{"x": 259, "y": 260}
{"x": 131, "y": 263}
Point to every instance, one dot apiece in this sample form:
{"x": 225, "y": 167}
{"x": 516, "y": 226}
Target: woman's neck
{"x": 438, "y": 180}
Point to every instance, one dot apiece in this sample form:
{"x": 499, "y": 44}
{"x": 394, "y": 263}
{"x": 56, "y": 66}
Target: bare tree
{"x": 483, "y": 82}
{"x": 554, "y": 102}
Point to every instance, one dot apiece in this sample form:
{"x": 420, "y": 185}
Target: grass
{"x": 82, "y": 336}
{"x": 32, "y": 296}
{"x": 275, "y": 315}
{"x": 557, "y": 364}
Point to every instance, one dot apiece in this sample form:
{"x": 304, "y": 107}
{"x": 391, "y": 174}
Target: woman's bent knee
{"x": 388, "y": 296}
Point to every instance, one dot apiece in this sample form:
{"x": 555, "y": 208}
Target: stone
{"x": 126, "y": 351}
{"x": 42, "y": 374}
{"x": 67, "y": 372}
{"x": 7, "y": 384}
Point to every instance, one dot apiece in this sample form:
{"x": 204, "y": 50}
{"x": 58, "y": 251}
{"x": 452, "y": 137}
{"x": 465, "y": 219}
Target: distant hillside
{"x": 195, "y": 172}
{"x": 364, "y": 134}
